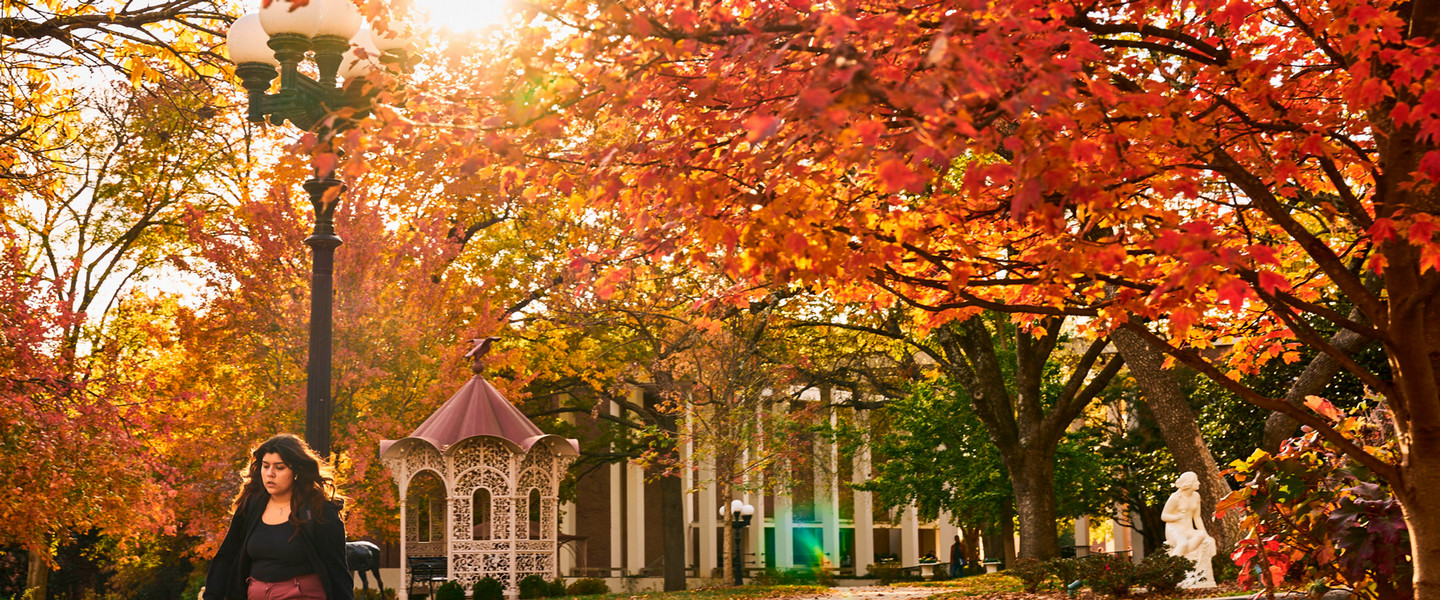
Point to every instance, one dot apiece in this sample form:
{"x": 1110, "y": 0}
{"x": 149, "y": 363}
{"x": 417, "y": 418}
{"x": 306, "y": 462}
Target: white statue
{"x": 1185, "y": 531}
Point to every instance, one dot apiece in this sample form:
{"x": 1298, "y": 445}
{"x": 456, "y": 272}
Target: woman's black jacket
{"x": 324, "y": 543}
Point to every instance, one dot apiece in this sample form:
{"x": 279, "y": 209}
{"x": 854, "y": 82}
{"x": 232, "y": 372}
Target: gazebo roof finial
{"x": 478, "y": 352}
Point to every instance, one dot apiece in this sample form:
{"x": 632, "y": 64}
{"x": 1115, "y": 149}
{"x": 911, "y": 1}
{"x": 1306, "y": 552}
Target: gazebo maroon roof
{"x": 477, "y": 409}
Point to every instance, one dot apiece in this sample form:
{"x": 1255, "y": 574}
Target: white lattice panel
{"x": 462, "y": 530}
{"x": 533, "y": 478}
{"x": 549, "y": 519}
{"x": 481, "y": 546}
{"x": 496, "y": 455}
{"x": 486, "y": 477}
{"x": 539, "y": 458}
{"x": 534, "y": 563}
{"x": 425, "y": 456}
{"x": 501, "y": 519}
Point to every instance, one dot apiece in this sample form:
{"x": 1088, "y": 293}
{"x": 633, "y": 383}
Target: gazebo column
{"x": 449, "y": 532}
{"x": 403, "y": 589}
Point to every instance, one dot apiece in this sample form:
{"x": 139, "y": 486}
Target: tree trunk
{"x": 672, "y": 493}
{"x": 1421, "y": 506}
{"x": 1007, "y": 540}
{"x": 1280, "y": 426}
{"x": 37, "y": 579}
{"x": 972, "y": 545}
{"x": 994, "y": 547}
{"x": 1026, "y": 425}
{"x": 1181, "y": 431}
{"x": 672, "y": 529}
{"x": 1032, "y": 475}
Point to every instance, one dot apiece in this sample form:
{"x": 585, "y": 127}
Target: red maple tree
{"x": 1194, "y": 172}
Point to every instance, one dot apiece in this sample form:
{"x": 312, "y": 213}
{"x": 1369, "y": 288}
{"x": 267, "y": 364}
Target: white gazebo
{"x": 479, "y": 485}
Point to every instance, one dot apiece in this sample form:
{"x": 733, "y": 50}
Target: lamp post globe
{"x": 274, "y": 42}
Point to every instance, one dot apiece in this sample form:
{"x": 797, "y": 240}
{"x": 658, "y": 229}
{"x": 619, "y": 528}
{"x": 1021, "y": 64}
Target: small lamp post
{"x": 273, "y": 42}
{"x": 740, "y": 515}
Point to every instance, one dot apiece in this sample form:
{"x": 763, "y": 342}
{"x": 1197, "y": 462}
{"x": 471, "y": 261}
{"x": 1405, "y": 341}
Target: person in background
{"x": 958, "y": 552}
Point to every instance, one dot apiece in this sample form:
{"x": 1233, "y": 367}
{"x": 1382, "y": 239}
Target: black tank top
{"x": 277, "y": 553}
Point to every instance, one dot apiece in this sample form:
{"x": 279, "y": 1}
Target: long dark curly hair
{"x": 314, "y": 483}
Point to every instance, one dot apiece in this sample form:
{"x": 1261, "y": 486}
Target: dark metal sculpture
{"x": 362, "y": 557}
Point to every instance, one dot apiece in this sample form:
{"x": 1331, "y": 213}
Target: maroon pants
{"x": 304, "y": 587}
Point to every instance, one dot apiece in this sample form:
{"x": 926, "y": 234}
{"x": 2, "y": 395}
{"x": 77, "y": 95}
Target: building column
{"x": 567, "y": 560}
{"x": 634, "y": 518}
{"x": 784, "y": 510}
{"x": 864, "y": 505}
{"x": 945, "y": 533}
{"x": 1120, "y": 539}
{"x": 909, "y": 537}
{"x": 784, "y": 532}
{"x": 827, "y": 490}
{"x": 617, "y": 507}
{"x": 755, "y": 535}
{"x": 687, "y": 483}
{"x": 1137, "y": 539}
{"x": 1082, "y": 536}
{"x": 708, "y": 518}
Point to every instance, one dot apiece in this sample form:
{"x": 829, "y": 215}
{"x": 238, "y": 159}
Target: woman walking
{"x": 286, "y": 540}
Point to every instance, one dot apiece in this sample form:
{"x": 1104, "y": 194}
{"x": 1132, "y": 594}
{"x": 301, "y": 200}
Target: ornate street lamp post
{"x": 274, "y": 41}
{"x": 740, "y": 515}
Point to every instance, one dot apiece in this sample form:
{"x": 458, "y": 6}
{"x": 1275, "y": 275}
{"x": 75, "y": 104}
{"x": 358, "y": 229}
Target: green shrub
{"x": 822, "y": 576}
{"x": 794, "y": 576}
{"x": 1030, "y": 572}
{"x": 450, "y": 590}
{"x": 374, "y": 594}
{"x": 488, "y": 588}
{"x": 887, "y": 572}
{"x": 555, "y": 589}
{"x": 1160, "y": 572}
{"x": 532, "y": 586}
{"x": 588, "y": 586}
{"x": 1067, "y": 570}
{"x": 1108, "y": 574}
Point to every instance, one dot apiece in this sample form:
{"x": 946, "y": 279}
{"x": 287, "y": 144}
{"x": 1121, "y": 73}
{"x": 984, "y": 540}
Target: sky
{"x": 463, "y": 15}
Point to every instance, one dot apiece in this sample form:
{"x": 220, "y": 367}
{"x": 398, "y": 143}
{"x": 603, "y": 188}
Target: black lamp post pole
{"x": 322, "y": 242}
{"x": 306, "y": 103}
{"x": 738, "y": 522}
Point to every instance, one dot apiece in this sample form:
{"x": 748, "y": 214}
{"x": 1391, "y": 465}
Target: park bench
{"x": 428, "y": 569}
